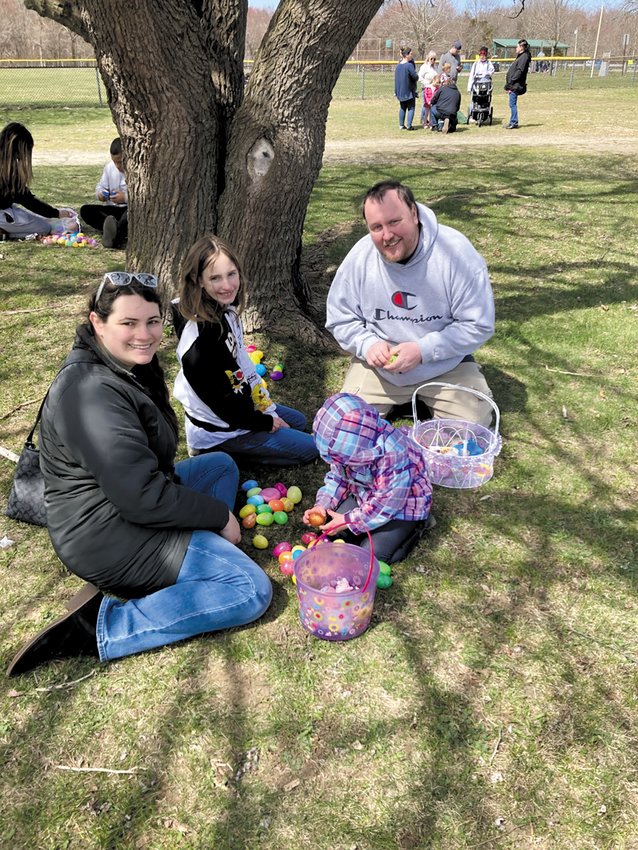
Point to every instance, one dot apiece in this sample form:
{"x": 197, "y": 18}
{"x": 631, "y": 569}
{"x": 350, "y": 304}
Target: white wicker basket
{"x": 457, "y": 454}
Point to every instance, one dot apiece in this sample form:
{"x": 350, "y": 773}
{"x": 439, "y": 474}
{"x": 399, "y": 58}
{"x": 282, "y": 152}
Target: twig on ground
{"x": 19, "y": 407}
{"x": 563, "y": 372}
{"x": 497, "y": 745}
{"x": 631, "y": 658}
{"x": 65, "y": 685}
{"x": 34, "y": 309}
{"x": 96, "y": 769}
{"x": 497, "y": 837}
{"x": 9, "y": 454}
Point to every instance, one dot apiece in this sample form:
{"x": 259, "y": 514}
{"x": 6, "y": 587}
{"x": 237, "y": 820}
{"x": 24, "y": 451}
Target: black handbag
{"x": 26, "y": 499}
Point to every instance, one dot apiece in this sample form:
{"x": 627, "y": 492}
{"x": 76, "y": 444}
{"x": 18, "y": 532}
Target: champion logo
{"x": 402, "y": 299}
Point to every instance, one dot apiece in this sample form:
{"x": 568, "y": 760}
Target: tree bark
{"x": 203, "y": 155}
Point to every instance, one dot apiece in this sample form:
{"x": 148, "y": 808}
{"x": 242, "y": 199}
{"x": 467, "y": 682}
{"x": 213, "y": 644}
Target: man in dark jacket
{"x": 516, "y": 80}
{"x": 446, "y": 102}
{"x": 405, "y": 79}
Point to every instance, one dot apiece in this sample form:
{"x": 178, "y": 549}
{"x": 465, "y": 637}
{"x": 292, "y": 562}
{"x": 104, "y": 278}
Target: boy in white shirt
{"x": 111, "y": 217}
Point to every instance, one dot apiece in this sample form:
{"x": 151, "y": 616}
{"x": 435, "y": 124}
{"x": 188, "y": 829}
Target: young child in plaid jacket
{"x": 377, "y": 481}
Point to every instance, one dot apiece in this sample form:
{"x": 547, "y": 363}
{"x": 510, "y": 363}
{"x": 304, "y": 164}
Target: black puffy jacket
{"x": 516, "y": 78}
{"x": 115, "y": 514}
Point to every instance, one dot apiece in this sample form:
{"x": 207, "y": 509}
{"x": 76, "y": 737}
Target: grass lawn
{"x": 493, "y": 702}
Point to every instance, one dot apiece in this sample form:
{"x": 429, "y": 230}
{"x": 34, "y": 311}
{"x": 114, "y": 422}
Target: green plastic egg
{"x": 383, "y": 581}
{"x": 385, "y": 569}
{"x": 264, "y": 509}
{"x": 265, "y": 519}
{"x": 294, "y": 494}
{"x": 280, "y": 517}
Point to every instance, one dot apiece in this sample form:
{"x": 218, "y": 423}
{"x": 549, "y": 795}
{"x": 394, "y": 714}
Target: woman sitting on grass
{"x": 159, "y": 536}
{"x": 16, "y": 174}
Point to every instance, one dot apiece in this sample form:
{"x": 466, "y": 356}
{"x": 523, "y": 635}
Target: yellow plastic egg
{"x": 260, "y": 542}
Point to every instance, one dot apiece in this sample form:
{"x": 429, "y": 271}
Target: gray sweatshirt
{"x": 441, "y": 298}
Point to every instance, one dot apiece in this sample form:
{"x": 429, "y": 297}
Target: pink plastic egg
{"x": 270, "y": 493}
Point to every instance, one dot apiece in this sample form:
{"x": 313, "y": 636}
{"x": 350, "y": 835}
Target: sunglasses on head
{"x": 124, "y": 279}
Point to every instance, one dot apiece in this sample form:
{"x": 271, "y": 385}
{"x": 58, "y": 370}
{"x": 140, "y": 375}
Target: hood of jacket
{"x": 349, "y": 431}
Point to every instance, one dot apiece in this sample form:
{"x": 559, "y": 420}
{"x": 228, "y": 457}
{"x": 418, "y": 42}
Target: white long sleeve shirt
{"x": 479, "y": 70}
{"x": 111, "y": 181}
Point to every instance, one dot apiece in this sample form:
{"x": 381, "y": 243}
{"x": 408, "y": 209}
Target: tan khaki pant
{"x": 364, "y": 381}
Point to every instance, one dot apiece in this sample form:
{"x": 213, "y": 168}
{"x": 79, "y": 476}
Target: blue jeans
{"x": 513, "y": 108}
{"x": 406, "y": 107}
{"x": 285, "y": 447}
{"x": 218, "y": 586}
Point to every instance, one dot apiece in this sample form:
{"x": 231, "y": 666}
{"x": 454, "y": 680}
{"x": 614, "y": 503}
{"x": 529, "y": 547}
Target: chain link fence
{"x": 77, "y": 83}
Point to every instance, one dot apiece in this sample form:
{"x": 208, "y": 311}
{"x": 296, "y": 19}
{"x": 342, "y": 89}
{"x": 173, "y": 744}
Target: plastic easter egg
{"x": 293, "y": 578}
{"x": 276, "y": 375}
{"x": 255, "y": 500}
{"x": 308, "y": 537}
{"x": 384, "y": 581}
{"x": 316, "y": 518}
{"x": 284, "y": 546}
{"x": 281, "y": 487}
{"x": 384, "y": 568}
{"x": 248, "y": 485}
{"x": 338, "y": 540}
{"x": 251, "y": 348}
{"x": 287, "y": 568}
{"x": 263, "y": 509}
{"x": 276, "y": 505}
{"x": 265, "y": 519}
{"x": 284, "y": 556}
{"x": 260, "y": 542}
{"x": 294, "y": 494}
{"x": 270, "y": 493}
{"x": 298, "y": 552}
{"x": 249, "y": 520}
{"x": 260, "y": 369}
{"x": 280, "y": 517}
{"x": 254, "y": 491}
{"x": 247, "y": 509}
{"x": 288, "y": 504}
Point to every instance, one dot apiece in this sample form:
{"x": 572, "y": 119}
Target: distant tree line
{"x": 423, "y": 24}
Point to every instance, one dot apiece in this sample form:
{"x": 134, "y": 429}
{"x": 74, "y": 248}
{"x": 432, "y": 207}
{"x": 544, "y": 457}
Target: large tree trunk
{"x": 198, "y": 158}
{"x": 276, "y": 147}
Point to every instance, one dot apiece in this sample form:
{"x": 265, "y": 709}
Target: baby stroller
{"x": 481, "y": 103}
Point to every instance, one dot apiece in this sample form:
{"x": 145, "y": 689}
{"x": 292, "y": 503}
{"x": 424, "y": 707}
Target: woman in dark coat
{"x": 120, "y": 514}
{"x": 516, "y": 80}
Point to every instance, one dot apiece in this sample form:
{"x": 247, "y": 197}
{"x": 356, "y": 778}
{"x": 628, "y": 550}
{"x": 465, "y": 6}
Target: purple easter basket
{"x": 456, "y": 453}
{"x": 325, "y": 613}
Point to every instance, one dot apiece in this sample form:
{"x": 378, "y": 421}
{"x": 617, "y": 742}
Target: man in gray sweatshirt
{"x": 411, "y": 302}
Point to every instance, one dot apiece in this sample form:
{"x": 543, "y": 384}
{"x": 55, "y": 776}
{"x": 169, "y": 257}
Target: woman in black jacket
{"x": 516, "y": 81}
{"x": 120, "y": 515}
{"x": 32, "y": 216}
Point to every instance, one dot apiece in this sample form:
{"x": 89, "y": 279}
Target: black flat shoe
{"x": 109, "y": 232}
{"x": 71, "y": 635}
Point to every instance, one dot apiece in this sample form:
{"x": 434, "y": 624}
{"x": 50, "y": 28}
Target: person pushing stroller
{"x": 479, "y": 87}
